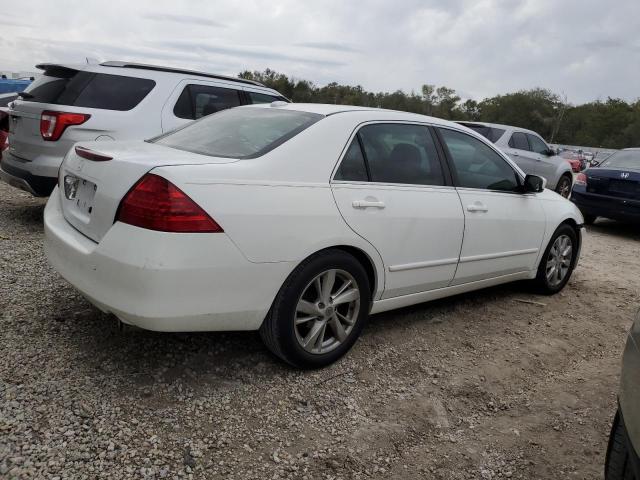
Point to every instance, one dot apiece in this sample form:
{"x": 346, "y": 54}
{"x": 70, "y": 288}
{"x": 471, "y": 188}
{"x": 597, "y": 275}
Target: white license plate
{"x": 82, "y": 192}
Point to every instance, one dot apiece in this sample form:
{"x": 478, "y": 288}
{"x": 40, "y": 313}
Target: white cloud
{"x": 583, "y": 48}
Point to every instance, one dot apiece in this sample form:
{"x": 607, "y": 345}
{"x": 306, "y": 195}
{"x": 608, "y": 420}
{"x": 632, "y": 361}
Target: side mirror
{"x": 551, "y": 152}
{"x": 534, "y": 184}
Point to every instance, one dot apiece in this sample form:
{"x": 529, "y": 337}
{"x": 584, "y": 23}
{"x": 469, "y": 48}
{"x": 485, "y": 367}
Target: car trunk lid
{"x": 614, "y": 182}
{"x": 92, "y": 188}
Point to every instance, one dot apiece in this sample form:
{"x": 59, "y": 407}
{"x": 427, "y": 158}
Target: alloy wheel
{"x": 559, "y": 260}
{"x": 564, "y": 188}
{"x": 327, "y": 311}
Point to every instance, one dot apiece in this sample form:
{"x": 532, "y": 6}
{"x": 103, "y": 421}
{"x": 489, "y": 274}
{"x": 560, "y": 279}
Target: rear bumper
{"x": 17, "y": 173}
{"x": 606, "y": 206}
{"x": 163, "y": 281}
{"x": 630, "y": 386}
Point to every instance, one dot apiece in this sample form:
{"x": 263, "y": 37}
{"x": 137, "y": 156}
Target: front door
{"x": 391, "y": 188}
{"x": 503, "y": 228}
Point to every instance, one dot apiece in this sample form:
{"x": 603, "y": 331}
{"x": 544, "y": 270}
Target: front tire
{"x": 618, "y": 461}
{"x": 564, "y": 185}
{"x": 558, "y": 261}
{"x": 319, "y": 311}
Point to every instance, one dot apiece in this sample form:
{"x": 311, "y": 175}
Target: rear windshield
{"x": 239, "y": 132}
{"x": 491, "y": 133}
{"x": 65, "y": 86}
{"x": 624, "y": 159}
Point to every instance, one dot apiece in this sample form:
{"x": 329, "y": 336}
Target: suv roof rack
{"x": 158, "y": 68}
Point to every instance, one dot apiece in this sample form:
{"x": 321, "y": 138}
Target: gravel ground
{"x": 479, "y": 386}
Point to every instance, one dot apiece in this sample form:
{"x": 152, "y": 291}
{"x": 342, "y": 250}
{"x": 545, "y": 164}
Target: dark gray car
{"x": 624, "y": 443}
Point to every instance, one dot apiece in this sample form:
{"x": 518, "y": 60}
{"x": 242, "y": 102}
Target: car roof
{"x": 376, "y": 113}
{"x": 142, "y": 67}
{"x": 498, "y": 125}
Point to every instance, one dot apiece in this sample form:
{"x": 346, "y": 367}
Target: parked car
{"x": 530, "y": 152}
{"x": 611, "y": 190}
{"x": 5, "y": 99}
{"x": 300, "y": 220}
{"x": 109, "y": 101}
{"x": 622, "y": 461}
{"x": 575, "y": 159}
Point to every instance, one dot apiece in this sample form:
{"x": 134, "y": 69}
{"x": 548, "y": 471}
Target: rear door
{"x": 503, "y": 228}
{"x": 393, "y": 189}
{"x": 193, "y": 99}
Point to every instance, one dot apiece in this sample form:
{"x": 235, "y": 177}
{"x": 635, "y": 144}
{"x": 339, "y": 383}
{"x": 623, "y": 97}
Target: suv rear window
{"x": 65, "y": 86}
{"x": 239, "y": 132}
{"x": 491, "y": 133}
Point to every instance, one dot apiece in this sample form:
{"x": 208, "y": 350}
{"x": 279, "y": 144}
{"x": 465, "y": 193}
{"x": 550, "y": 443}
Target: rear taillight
{"x": 581, "y": 179}
{"x": 53, "y": 124}
{"x": 156, "y": 204}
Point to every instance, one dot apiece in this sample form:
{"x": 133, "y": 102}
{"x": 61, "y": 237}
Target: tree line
{"x": 613, "y": 123}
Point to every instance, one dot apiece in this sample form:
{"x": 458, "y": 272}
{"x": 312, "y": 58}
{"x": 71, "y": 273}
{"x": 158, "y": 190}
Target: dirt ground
{"x": 479, "y": 386}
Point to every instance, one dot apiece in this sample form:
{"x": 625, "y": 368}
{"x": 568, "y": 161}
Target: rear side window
{"x": 491, "y": 133}
{"x": 64, "y": 86}
{"x": 263, "y": 98}
{"x": 352, "y": 168}
{"x": 240, "y": 132}
{"x": 537, "y": 145}
{"x": 197, "y": 101}
{"x": 519, "y": 140}
{"x": 401, "y": 153}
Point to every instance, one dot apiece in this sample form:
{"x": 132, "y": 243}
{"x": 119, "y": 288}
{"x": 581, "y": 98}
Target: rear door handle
{"x": 477, "y": 207}
{"x": 367, "y": 204}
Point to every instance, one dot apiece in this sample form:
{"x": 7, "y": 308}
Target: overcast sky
{"x": 586, "y": 49}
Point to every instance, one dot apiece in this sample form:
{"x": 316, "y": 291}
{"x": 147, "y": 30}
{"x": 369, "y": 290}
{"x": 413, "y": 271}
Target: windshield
{"x": 239, "y": 132}
{"x": 624, "y": 159}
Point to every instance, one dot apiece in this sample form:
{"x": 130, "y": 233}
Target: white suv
{"x": 109, "y": 101}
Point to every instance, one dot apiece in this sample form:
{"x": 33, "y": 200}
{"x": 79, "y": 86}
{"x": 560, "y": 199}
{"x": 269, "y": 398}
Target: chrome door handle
{"x": 477, "y": 207}
{"x": 367, "y": 204}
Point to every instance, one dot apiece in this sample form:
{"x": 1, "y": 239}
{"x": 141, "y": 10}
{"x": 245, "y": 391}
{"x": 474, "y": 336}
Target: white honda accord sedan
{"x": 300, "y": 221}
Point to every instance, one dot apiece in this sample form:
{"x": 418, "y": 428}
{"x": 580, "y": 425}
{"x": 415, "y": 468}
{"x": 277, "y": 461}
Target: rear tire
{"x": 320, "y": 310}
{"x": 557, "y": 263}
{"x": 564, "y": 185}
{"x": 618, "y": 461}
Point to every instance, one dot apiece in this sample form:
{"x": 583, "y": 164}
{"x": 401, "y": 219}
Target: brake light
{"x": 156, "y": 204}
{"x": 53, "y": 124}
{"x": 89, "y": 154}
{"x": 581, "y": 179}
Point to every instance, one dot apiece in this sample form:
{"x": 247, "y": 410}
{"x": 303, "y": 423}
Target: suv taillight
{"x": 53, "y": 124}
{"x": 157, "y": 204}
{"x": 581, "y": 179}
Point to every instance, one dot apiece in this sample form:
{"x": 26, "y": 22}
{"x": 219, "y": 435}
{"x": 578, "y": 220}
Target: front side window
{"x": 247, "y": 132}
{"x": 476, "y": 164}
{"x": 537, "y": 145}
{"x": 519, "y": 140}
{"x": 197, "y": 101}
{"x": 401, "y": 153}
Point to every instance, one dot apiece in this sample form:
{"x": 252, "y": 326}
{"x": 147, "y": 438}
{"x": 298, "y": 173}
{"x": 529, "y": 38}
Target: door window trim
{"x": 355, "y": 134}
{"x": 449, "y": 159}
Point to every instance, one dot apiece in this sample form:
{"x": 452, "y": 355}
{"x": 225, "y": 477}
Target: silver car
{"x": 622, "y": 461}
{"x": 109, "y": 101}
{"x": 532, "y": 154}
